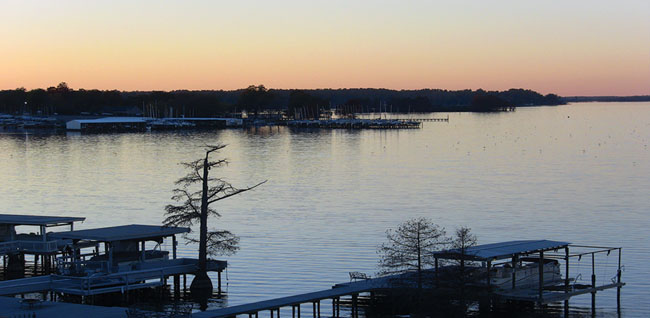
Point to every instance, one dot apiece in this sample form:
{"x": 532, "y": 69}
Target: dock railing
{"x": 81, "y": 266}
{"x": 28, "y": 246}
{"x": 88, "y": 285}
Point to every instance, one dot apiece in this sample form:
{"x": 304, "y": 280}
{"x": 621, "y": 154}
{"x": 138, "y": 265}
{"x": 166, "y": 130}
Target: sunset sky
{"x": 565, "y": 47}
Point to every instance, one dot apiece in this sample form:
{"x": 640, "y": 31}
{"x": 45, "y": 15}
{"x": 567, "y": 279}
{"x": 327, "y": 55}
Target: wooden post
{"x": 44, "y": 266}
{"x": 219, "y": 283}
{"x": 338, "y": 307}
{"x": 314, "y": 310}
{"x": 354, "y": 306}
{"x": 593, "y": 282}
{"x": 110, "y": 257}
{"x": 35, "y": 263}
{"x": 489, "y": 284}
{"x": 298, "y": 308}
{"x": 618, "y": 280}
{"x": 566, "y": 269}
{"x": 541, "y": 276}
{"x": 514, "y": 271}
{"x": 177, "y": 286}
{"x": 142, "y": 249}
{"x": 436, "y": 271}
{"x": 174, "y": 243}
{"x": 318, "y": 307}
{"x": 278, "y": 312}
{"x": 293, "y": 311}
{"x": 271, "y": 312}
{"x": 566, "y": 279}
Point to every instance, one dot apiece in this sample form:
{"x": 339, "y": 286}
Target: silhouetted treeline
{"x": 637, "y": 98}
{"x": 63, "y": 100}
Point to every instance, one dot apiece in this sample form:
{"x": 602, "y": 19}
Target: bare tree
{"x": 462, "y": 240}
{"x": 410, "y": 247}
{"x": 195, "y": 207}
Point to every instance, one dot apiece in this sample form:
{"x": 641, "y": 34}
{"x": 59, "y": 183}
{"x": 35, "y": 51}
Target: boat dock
{"x": 352, "y": 289}
{"x": 521, "y": 271}
{"x": 440, "y": 119}
{"x": 529, "y": 284}
{"x": 18, "y": 308}
{"x": 355, "y": 124}
{"x": 550, "y": 290}
{"x": 14, "y": 246}
{"x": 37, "y": 243}
{"x": 126, "y": 264}
{"x": 101, "y": 284}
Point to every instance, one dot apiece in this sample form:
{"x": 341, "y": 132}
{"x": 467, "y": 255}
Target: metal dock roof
{"x": 108, "y": 120}
{"x": 503, "y": 249}
{"x": 21, "y": 219}
{"x": 121, "y": 233}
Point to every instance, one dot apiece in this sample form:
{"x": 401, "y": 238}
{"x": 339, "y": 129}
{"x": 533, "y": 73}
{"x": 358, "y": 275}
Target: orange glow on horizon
{"x": 581, "y": 48}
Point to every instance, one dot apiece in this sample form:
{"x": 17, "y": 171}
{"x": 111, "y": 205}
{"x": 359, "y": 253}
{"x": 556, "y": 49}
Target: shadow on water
{"x": 160, "y": 299}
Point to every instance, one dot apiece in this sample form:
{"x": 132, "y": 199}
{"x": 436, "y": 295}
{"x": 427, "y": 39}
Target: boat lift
{"x": 540, "y": 251}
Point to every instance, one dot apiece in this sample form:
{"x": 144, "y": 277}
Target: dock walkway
{"x": 352, "y": 288}
{"x": 12, "y": 307}
{"x": 100, "y": 284}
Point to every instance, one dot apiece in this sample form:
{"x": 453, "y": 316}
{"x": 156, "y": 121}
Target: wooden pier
{"x": 18, "y": 308}
{"x": 441, "y": 119}
{"x": 334, "y": 294}
{"x": 355, "y": 124}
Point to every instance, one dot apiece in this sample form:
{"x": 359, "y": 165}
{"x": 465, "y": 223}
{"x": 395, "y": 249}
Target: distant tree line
{"x": 636, "y": 98}
{"x": 63, "y": 100}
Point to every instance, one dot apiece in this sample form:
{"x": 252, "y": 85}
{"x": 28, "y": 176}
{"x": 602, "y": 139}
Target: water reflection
{"x": 577, "y": 173}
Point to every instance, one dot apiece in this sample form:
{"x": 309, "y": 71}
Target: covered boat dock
{"x": 511, "y": 253}
{"x": 123, "y": 264}
{"x": 15, "y": 245}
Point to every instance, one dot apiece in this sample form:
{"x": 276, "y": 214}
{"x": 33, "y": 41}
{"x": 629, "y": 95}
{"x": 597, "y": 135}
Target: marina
{"x": 523, "y": 271}
{"x": 142, "y": 124}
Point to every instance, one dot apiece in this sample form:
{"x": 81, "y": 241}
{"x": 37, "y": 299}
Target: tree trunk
{"x": 15, "y": 267}
{"x": 203, "y": 235}
{"x": 419, "y": 250}
{"x": 201, "y": 284}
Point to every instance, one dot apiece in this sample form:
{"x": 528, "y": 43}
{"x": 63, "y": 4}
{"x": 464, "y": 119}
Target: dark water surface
{"x": 579, "y": 173}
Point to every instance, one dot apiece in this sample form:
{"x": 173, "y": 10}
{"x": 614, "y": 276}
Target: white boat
{"x": 526, "y": 273}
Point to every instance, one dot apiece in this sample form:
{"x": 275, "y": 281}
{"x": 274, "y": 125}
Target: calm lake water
{"x": 578, "y": 173}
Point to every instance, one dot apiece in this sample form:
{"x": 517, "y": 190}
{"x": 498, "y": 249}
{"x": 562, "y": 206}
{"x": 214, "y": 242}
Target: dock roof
{"x": 503, "y": 250}
{"x": 111, "y": 120}
{"x": 121, "y": 233}
{"x": 21, "y": 219}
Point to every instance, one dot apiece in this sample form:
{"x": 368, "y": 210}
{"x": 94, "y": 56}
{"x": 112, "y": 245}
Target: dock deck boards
{"x": 80, "y": 285}
{"x": 345, "y": 289}
{"x": 11, "y": 307}
{"x": 550, "y": 296}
